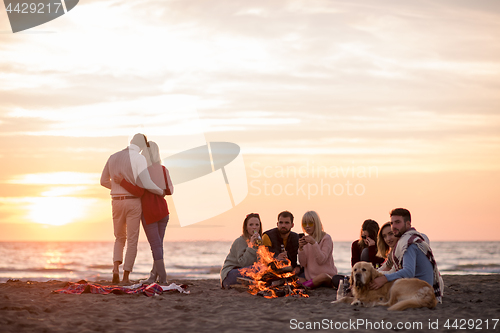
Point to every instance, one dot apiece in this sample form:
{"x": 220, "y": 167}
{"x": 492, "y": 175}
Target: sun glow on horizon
{"x": 56, "y": 178}
{"x": 57, "y": 211}
{"x": 406, "y": 89}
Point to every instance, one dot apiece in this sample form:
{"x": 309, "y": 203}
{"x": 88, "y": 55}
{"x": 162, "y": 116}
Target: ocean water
{"x": 92, "y": 261}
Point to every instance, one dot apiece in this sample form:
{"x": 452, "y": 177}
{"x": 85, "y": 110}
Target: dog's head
{"x": 362, "y": 273}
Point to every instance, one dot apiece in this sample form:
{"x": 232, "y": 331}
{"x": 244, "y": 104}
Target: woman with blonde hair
{"x": 316, "y": 252}
{"x": 155, "y": 214}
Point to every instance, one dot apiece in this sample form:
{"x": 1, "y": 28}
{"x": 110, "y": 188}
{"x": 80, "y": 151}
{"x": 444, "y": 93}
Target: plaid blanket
{"x": 412, "y": 236}
{"x": 83, "y": 287}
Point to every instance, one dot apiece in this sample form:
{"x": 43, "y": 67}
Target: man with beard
{"x": 283, "y": 242}
{"x": 412, "y": 256}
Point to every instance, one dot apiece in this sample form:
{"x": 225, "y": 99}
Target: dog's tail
{"x": 424, "y": 297}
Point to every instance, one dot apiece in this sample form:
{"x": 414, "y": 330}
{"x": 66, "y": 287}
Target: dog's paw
{"x": 345, "y": 299}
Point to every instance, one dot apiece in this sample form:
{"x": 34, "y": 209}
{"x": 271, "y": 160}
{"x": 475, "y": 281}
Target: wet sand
{"x": 32, "y": 307}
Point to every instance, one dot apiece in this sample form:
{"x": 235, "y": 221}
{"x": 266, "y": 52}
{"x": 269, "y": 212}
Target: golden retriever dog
{"x": 398, "y": 295}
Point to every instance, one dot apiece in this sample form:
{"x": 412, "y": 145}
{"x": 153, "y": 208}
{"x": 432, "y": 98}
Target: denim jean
{"x": 232, "y": 276}
{"x": 155, "y": 232}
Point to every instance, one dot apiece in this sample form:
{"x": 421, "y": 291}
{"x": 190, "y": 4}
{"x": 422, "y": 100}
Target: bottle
{"x": 258, "y": 241}
{"x": 285, "y": 258}
{"x": 340, "y": 290}
{"x": 346, "y": 285}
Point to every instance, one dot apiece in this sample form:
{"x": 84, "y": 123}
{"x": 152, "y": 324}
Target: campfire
{"x": 271, "y": 278}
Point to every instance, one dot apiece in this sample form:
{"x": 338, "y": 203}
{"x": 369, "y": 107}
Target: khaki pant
{"x": 126, "y": 223}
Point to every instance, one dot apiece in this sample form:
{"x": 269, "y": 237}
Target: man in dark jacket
{"x": 282, "y": 241}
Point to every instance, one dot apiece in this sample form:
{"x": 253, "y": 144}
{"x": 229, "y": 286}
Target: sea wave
{"x": 36, "y": 270}
{"x": 92, "y": 261}
{"x": 474, "y": 268}
{"x": 199, "y": 269}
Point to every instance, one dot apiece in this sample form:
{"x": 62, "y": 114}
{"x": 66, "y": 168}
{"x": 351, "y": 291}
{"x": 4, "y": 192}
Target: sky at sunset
{"x": 349, "y": 108}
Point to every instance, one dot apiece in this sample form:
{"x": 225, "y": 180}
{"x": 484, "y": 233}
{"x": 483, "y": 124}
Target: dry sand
{"x": 31, "y": 307}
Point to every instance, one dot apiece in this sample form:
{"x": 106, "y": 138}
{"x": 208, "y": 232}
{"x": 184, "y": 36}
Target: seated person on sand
{"x": 386, "y": 241}
{"x": 316, "y": 253}
{"x": 365, "y": 248}
{"x": 282, "y": 241}
{"x": 412, "y": 257}
{"x": 243, "y": 252}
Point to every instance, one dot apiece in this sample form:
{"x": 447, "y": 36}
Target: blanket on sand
{"x": 83, "y": 287}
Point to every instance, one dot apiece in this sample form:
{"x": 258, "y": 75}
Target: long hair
{"x": 152, "y": 153}
{"x": 245, "y": 223}
{"x": 312, "y": 216}
{"x": 372, "y": 227}
{"x": 383, "y": 248}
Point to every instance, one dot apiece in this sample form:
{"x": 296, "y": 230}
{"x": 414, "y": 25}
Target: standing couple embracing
{"x": 138, "y": 183}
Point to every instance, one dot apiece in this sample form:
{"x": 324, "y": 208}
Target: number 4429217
{"x": 38, "y": 8}
{"x": 464, "y": 324}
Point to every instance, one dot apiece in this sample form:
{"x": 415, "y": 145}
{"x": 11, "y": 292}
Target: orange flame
{"x": 264, "y": 266}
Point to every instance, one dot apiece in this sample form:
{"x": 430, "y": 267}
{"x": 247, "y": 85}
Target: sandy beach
{"x": 32, "y": 307}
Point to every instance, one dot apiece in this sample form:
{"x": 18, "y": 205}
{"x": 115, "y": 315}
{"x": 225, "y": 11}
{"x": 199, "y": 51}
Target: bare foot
{"x": 125, "y": 282}
{"x": 116, "y": 277}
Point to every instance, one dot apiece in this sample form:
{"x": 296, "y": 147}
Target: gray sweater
{"x": 240, "y": 255}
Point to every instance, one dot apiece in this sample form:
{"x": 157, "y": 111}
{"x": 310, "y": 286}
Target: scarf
{"x": 412, "y": 236}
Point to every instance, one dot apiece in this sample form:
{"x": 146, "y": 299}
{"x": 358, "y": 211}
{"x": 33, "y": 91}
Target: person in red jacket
{"x": 365, "y": 248}
{"x": 155, "y": 212}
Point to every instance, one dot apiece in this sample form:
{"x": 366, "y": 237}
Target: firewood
{"x": 245, "y": 281}
{"x": 239, "y": 287}
{"x": 277, "y": 283}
